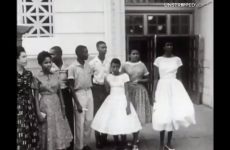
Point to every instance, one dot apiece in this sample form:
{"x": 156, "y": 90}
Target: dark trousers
{"x": 67, "y": 97}
{"x": 99, "y": 95}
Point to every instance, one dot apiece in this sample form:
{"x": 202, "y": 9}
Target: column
{"x": 115, "y": 28}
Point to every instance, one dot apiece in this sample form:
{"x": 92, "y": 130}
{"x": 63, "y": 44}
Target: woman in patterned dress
{"x": 27, "y": 121}
{"x": 55, "y": 131}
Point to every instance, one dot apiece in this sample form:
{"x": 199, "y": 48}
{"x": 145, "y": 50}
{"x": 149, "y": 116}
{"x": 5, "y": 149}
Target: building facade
{"x": 123, "y": 25}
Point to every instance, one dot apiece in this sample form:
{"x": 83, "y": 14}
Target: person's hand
{"x": 41, "y": 118}
{"x": 79, "y": 108}
{"x": 154, "y": 99}
{"x": 151, "y": 102}
{"x": 135, "y": 82}
{"x": 128, "y": 111}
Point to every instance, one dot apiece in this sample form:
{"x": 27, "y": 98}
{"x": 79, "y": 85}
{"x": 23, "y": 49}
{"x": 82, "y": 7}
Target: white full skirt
{"x": 111, "y": 118}
{"x": 173, "y": 107}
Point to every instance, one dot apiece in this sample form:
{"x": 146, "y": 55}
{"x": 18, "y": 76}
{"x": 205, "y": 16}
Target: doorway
{"x": 184, "y": 46}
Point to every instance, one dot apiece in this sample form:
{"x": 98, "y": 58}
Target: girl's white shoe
{"x": 135, "y": 147}
{"x": 169, "y": 148}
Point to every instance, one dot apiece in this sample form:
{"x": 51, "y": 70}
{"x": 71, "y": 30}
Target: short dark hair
{"x": 20, "y": 49}
{"x": 42, "y": 56}
{"x": 115, "y": 61}
{"x": 57, "y": 50}
{"x": 100, "y": 42}
{"x": 79, "y": 49}
{"x": 134, "y": 50}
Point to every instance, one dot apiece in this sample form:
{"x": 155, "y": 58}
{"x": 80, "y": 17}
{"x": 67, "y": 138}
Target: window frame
{"x": 190, "y": 28}
{"x": 143, "y": 23}
{"x": 168, "y": 22}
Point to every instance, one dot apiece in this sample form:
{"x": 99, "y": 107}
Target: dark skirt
{"x": 99, "y": 95}
{"x": 67, "y": 97}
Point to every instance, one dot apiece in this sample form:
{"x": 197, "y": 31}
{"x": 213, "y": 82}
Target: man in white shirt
{"x": 59, "y": 66}
{"x": 100, "y": 67}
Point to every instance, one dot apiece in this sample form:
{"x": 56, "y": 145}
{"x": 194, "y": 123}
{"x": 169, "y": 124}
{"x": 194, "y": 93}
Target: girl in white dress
{"x": 172, "y": 106}
{"x": 116, "y": 116}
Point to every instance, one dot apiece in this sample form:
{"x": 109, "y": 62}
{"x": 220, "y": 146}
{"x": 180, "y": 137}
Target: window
{"x": 38, "y": 14}
{"x": 134, "y": 24}
{"x": 180, "y": 24}
{"x": 156, "y": 24}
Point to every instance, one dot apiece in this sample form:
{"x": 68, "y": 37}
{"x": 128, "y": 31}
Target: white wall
{"x": 75, "y": 22}
{"x": 84, "y": 22}
{"x": 204, "y": 27}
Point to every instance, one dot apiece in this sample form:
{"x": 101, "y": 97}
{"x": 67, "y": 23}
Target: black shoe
{"x": 86, "y": 148}
{"x": 103, "y": 139}
{"x": 99, "y": 145}
{"x": 161, "y": 148}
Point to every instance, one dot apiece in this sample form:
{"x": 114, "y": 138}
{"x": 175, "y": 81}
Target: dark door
{"x": 196, "y": 76}
{"x": 186, "y": 47}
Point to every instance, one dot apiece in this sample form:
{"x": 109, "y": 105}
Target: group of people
{"x": 58, "y": 107}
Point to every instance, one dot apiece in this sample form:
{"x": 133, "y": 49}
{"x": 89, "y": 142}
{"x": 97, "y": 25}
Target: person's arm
{"x": 71, "y": 77}
{"x": 61, "y": 101}
{"x": 92, "y": 69}
{"x": 126, "y": 88}
{"x": 71, "y": 86}
{"x": 107, "y": 87}
{"x": 128, "y": 111}
{"x": 144, "y": 79}
{"x": 37, "y": 107}
{"x": 179, "y": 74}
{"x": 179, "y": 70}
{"x": 156, "y": 79}
{"x": 35, "y": 90}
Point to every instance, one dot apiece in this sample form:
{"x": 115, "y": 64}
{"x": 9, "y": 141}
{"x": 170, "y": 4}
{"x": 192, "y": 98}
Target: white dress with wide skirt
{"x": 173, "y": 107}
{"x": 111, "y": 118}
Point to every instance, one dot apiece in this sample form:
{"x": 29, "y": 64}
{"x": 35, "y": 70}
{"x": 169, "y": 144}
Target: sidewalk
{"x": 195, "y": 137}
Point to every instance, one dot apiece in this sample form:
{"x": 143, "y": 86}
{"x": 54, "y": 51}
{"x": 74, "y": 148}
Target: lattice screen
{"x": 37, "y": 13}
